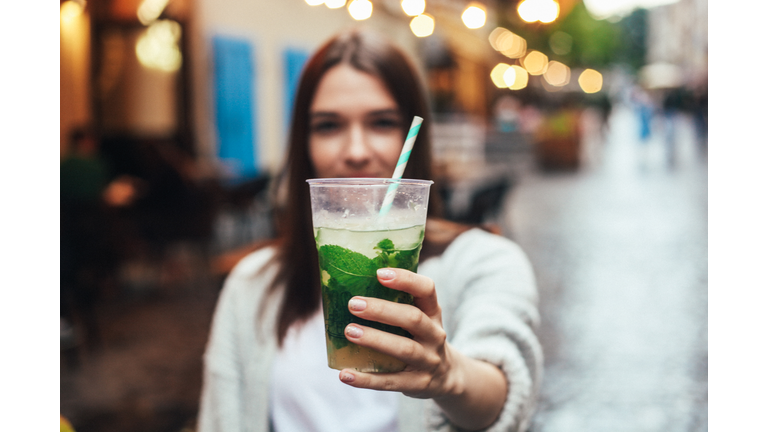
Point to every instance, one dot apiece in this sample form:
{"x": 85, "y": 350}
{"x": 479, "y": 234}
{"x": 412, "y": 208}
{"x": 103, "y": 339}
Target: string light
{"x": 69, "y": 11}
{"x": 335, "y": 4}
{"x": 360, "y": 9}
{"x": 591, "y": 81}
{"x": 474, "y": 16}
{"x": 557, "y": 74}
{"x": 516, "y": 78}
{"x": 413, "y": 7}
{"x": 497, "y": 75}
{"x": 545, "y": 11}
{"x": 535, "y": 63}
{"x": 423, "y": 25}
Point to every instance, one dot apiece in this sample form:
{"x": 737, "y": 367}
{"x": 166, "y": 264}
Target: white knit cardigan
{"x": 487, "y": 293}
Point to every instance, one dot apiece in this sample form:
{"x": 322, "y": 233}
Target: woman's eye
{"x": 324, "y": 126}
{"x": 386, "y": 123}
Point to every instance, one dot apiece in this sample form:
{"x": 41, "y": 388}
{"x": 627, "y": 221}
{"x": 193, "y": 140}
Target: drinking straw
{"x": 405, "y": 153}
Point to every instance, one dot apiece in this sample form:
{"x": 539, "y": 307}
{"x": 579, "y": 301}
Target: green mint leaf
{"x": 354, "y": 271}
{"x": 385, "y": 245}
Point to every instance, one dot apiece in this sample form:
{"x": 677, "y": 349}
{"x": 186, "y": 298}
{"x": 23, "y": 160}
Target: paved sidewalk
{"x": 620, "y": 252}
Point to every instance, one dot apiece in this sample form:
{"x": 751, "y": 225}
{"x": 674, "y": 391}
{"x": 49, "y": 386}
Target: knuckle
{"x": 408, "y": 350}
{"x": 389, "y": 384}
{"x": 414, "y": 318}
{"x": 441, "y": 335}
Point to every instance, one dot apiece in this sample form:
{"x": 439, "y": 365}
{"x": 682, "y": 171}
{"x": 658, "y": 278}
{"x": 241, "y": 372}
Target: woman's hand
{"x": 470, "y": 392}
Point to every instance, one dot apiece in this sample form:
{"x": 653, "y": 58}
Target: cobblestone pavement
{"x": 620, "y": 252}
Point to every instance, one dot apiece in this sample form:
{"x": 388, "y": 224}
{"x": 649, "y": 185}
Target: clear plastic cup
{"x": 354, "y": 239}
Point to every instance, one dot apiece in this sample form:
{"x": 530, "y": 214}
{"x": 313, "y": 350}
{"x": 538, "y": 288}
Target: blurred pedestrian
{"x": 474, "y": 361}
{"x": 88, "y": 251}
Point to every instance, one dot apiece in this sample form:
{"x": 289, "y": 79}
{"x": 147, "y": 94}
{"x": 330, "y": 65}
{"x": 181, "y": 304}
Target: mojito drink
{"x": 360, "y": 226}
{"x": 348, "y": 263}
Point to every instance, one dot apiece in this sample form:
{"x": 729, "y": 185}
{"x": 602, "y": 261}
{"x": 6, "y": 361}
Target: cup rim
{"x": 360, "y": 181}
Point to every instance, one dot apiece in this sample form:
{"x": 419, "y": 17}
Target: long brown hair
{"x": 296, "y": 256}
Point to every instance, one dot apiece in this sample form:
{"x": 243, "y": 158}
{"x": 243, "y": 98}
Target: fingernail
{"x": 357, "y": 304}
{"x": 354, "y": 331}
{"x": 347, "y": 377}
{"x": 385, "y": 273}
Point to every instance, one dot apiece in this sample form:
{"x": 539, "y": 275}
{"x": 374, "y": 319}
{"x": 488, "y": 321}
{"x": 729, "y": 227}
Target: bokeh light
{"x": 150, "y": 10}
{"x": 527, "y": 11}
{"x": 591, "y": 81}
{"x": 557, "y": 74}
{"x": 335, "y": 4}
{"x": 314, "y": 2}
{"x": 423, "y": 25}
{"x": 69, "y": 11}
{"x": 535, "y": 62}
{"x": 545, "y": 11}
{"x": 561, "y": 43}
{"x": 548, "y": 11}
{"x": 158, "y": 47}
{"x": 516, "y": 78}
{"x": 413, "y": 7}
{"x": 360, "y": 9}
{"x": 474, "y": 16}
{"x": 508, "y": 43}
{"x": 497, "y": 75}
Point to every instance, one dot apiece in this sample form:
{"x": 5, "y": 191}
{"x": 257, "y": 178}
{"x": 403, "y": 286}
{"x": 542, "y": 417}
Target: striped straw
{"x": 400, "y": 168}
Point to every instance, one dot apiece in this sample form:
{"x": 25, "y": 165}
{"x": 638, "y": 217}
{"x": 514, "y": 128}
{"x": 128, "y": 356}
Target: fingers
{"x": 422, "y": 327}
{"x": 420, "y": 287}
{"x": 411, "y": 384}
{"x": 409, "y": 351}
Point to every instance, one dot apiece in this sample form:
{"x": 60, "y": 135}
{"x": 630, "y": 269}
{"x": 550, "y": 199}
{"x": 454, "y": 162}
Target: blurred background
{"x": 576, "y": 128}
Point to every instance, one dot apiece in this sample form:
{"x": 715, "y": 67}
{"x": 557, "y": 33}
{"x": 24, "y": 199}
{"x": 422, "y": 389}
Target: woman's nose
{"x": 357, "y": 149}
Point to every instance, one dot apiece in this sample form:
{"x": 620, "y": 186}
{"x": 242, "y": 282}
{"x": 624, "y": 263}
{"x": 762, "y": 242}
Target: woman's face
{"x": 355, "y": 127}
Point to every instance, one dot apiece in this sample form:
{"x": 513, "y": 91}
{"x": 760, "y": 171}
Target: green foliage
{"x": 353, "y": 274}
{"x": 596, "y": 43}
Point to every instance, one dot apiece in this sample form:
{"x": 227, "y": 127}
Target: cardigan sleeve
{"x": 222, "y": 391}
{"x": 492, "y": 318}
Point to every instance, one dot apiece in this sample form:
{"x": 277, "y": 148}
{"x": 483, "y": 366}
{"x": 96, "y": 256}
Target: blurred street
{"x": 620, "y": 252}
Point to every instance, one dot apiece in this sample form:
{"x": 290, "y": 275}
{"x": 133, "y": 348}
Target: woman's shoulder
{"x": 440, "y": 234}
{"x": 253, "y": 273}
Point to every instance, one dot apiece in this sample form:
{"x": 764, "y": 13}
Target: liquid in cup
{"x": 353, "y": 240}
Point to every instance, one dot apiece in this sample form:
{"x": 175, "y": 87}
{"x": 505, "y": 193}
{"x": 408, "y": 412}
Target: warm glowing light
{"x": 509, "y": 76}
{"x": 69, "y": 11}
{"x": 474, "y": 16}
{"x": 548, "y": 11}
{"x": 517, "y": 81}
{"x": 527, "y": 11}
{"x": 535, "y": 63}
{"x": 423, "y": 25}
{"x": 314, "y": 2}
{"x": 335, "y": 4}
{"x": 150, "y": 10}
{"x": 360, "y": 9}
{"x": 157, "y": 48}
{"x": 497, "y": 75}
{"x": 591, "y": 81}
{"x": 413, "y": 7}
{"x": 561, "y": 43}
{"x": 508, "y": 43}
{"x": 545, "y": 11}
{"x": 495, "y": 35}
{"x": 557, "y": 74}
{"x": 515, "y": 46}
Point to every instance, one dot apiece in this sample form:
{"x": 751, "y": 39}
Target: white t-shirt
{"x": 307, "y": 396}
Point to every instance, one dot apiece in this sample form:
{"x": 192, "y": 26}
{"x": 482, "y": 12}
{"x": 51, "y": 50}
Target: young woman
{"x": 474, "y": 362}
